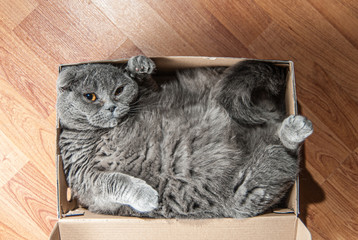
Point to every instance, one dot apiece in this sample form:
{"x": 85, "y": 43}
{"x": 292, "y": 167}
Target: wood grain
{"x": 339, "y": 209}
{"x": 196, "y": 22}
{"x": 37, "y": 35}
{"x": 126, "y": 50}
{"x": 12, "y": 159}
{"x": 13, "y": 12}
{"x": 26, "y": 72}
{"x": 246, "y": 20}
{"x": 137, "y": 19}
{"x": 28, "y": 197}
{"x": 55, "y": 29}
{"x": 24, "y": 126}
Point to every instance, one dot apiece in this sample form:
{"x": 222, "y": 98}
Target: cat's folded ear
{"x": 66, "y": 79}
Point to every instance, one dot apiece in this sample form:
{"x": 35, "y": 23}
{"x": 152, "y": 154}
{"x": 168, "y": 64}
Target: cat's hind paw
{"x": 140, "y": 66}
{"x": 294, "y": 130}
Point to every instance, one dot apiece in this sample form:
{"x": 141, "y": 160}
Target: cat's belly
{"x": 185, "y": 147}
{"x": 183, "y": 157}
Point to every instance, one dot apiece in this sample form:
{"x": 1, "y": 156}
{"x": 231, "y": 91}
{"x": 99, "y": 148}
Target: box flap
{"x": 267, "y": 227}
{"x": 302, "y": 232}
{"x": 55, "y": 234}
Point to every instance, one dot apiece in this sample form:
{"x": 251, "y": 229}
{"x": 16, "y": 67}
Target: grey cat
{"x": 204, "y": 143}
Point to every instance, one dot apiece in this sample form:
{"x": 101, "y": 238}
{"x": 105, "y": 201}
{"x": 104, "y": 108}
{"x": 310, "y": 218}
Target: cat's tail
{"x": 252, "y": 91}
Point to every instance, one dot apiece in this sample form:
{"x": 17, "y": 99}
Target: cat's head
{"x": 94, "y": 96}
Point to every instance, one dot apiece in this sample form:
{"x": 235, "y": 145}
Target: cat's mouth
{"x": 116, "y": 117}
{"x": 119, "y": 113}
{"x": 108, "y": 119}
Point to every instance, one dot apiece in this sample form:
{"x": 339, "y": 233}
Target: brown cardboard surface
{"x": 302, "y": 232}
{"x": 283, "y": 227}
{"x": 269, "y": 226}
{"x": 64, "y": 205}
{"x": 55, "y": 234}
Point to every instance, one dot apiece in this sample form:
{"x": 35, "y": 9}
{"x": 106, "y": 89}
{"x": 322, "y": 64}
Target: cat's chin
{"x": 111, "y": 123}
{"x": 121, "y": 112}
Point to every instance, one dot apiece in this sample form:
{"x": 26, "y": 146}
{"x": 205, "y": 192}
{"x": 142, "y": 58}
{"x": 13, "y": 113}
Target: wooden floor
{"x": 321, "y": 37}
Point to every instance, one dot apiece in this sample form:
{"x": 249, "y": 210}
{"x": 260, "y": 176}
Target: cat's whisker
{"x": 149, "y": 105}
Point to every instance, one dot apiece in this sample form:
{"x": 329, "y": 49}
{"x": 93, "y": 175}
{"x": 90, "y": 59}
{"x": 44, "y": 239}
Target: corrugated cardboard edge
{"x": 63, "y": 204}
{"x": 262, "y": 227}
{"x": 72, "y": 230}
{"x": 300, "y": 232}
{"x": 180, "y": 62}
{"x": 293, "y": 109}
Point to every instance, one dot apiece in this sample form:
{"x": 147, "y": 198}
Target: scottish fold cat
{"x": 202, "y": 143}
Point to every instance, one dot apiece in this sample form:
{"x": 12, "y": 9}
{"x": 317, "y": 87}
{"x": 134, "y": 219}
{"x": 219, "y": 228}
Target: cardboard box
{"x": 77, "y": 223}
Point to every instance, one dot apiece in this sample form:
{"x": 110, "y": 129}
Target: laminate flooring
{"x": 321, "y": 37}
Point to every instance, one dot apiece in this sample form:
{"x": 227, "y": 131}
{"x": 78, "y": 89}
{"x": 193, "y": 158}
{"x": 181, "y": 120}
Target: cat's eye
{"x": 118, "y": 91}
{"x": 90, "y": 96}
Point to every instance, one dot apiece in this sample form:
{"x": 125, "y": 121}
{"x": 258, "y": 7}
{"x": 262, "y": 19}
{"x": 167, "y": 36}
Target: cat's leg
{"x": 272, "y": 168}
{"x": 107, "y": 191}
{"x": 271, "y": 172}
{"x": 294, "y": 130}
{"x": 249, "y": 92}
{"x": 140, "y": 69}
{"x": 140, "y": 66}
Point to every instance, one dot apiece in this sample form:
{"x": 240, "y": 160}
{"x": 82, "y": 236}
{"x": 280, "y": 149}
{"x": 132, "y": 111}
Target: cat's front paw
{"x": 140, "y": 66}
{"x": 145, "y": 198}
{"x": 294, "y": 130}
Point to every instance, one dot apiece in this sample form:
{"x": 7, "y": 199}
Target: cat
{"x": 205, "y": 143}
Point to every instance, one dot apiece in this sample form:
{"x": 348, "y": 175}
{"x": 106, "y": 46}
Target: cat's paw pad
{"x": 140, "y": 66}
{"x": 145, "y": 197}
{"x": 296, "y": 128}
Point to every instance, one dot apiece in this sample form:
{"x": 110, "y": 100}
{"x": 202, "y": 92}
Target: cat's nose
{"x": 112, "y": 108}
